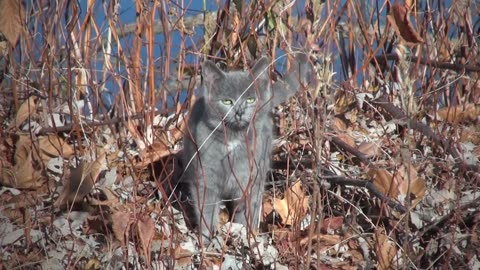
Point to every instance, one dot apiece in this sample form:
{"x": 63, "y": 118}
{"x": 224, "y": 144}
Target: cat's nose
{"x": 239, "y": 113}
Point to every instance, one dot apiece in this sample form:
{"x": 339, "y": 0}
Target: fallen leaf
{"x": 326, "y": 240}
{"x": 54, "y": 146}
{"x": 396, "y": 186}
{"x": 347, "y": 139}
{"x": 331, "y": 224}
{"x": 27, "y": 170}
{"x": 28, "y": 107}
{"x": 81, "y": 181}
{"x": 120, "y": 224}
{"x": 293, "y": 206}
{"x": 369, "y": 149}
{"x": 146, "y": 232}
{"x": 339, "y": 125}
{"x": 459, "y": 114}
{"x": 384, "y": 181}
{"x": 417, "y": 185}
{"x": 183, "y": 256}
{"x": 385, "y": 250}
{"x": 162, "y": 146}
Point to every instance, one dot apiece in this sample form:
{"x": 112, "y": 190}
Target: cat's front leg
{"x": 208, "y": 205}
{"x": 256, "y": 204}
{"x": 247, "y": 210}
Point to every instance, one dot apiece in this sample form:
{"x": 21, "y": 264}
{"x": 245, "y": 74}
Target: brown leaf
{"x": 459, "y": 114}
{"x": 325, "y": 240}
{"x": 347, "y": 139}
{"x": 332, "y": 223}
{"x": 146, "y": 232}
{"x": 120, "y": 224}
{"x": 383, "y": 180}
{"x": 398, "y": 184}
{"x": 11, "y": 20}
{"x": 385, "y": 250}
{"x": 369, "y": 149}
{"x": 339, "y": 124}
{"x": 81, "y": 181}
{"x": 293, "y": 206}
{"x": 28, "y": 107}
{"x": 417, "y": 185}
{"x": 399, "y": 18}
{"x": 29, "y": 159}
{"x": 54, "y": 146}
{"x": 183, "y": 257}
{"x": 162, "y": 146}
{"x": 27, "y": 170}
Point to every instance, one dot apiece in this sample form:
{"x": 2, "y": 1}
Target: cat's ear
{"x": 260, "y": 69}
{"x": 211, "y": 72}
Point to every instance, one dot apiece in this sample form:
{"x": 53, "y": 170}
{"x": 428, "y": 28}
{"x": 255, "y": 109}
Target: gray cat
{"x": 228, "y": 143}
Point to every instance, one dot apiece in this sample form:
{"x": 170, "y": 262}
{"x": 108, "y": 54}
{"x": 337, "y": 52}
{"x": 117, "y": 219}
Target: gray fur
{"x": 227, "y": 147}
{"x": 301, "y": 74}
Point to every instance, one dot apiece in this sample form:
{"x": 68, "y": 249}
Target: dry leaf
{"x": 120, "y": 224}
{"x": 28, "y": 107}
{"x": 11, "y": 20}
{"x": 161, "y": 147}
{"x": 347, "y": 139}
{"x": 54, "y": 146}
{"x": 417, "y": 185}
{"x": 293, "y": 206}
{"x": 396, "y": 186}
{"x": 459, "y": 114}
{"x": 183, "y": 257}
{"x": 30, "y": 159}
{"x": 339, "y": 124}
{"x": 27, "y": 170}
{"x": 146, "y": 232}
{"x": 93, "y": 263}
{"x": 383, "y": 180}
{"x": 331, "y": 224}
{"x": 81, "y": 181}
{"x": 326, "y": 240}
{"x": 385, "y": 250}
{"x": 369, "y": 149}
{"x": 399, "y": 19}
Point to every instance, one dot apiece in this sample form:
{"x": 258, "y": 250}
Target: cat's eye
{"x": 250, "y": 100}
{"x": 227, "y": 101}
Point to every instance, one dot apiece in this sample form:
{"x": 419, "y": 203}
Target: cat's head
{"x": 236, "y": 97}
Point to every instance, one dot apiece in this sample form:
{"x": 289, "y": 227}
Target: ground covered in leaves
{"x": 387, "y": 192}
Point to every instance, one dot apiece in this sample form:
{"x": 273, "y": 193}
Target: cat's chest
{"x": 233, "y": 145}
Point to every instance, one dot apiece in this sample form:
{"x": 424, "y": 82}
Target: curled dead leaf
{"x": 81, "y": 181}
{"x": 293, "y": 206}
{"x": 385, "y": 250}
{"x": 146, "y": 232}
{"x": 11, "y": 20}
{"x": 347, "y": 139}
{"x": 369, "y": 149}
{"x": 28, "y": 107}
{"x": 27, "y": 171}
{"x": 459, "y": 114}
{"x": 397, "y": 186}
{"x": 332, "y": 224}
{"x": 399, "y": 19}
{"x": 120, "y": 224}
